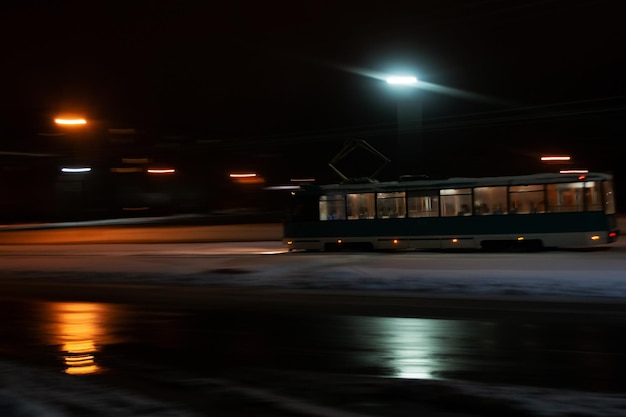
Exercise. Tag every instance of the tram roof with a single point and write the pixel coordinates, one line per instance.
(462, 182)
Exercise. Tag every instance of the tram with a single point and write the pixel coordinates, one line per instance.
(533, 211)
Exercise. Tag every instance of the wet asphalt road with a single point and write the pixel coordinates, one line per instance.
(158, 347)
(345, 351)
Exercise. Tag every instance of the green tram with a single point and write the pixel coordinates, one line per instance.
(533, 211)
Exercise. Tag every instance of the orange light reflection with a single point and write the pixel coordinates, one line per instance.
(78, 327)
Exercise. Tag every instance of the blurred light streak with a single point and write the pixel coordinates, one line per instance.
(409, 80)
(283, 187)
(76, 170)
(252, 180)
(160, 170)
(556, 158)
(424, 85)
(71, 122)
(574, 171)
(243, 175)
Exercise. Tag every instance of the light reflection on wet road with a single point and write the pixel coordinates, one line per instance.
(82, 338)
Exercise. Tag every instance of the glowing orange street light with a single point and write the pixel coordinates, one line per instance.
(70, 121)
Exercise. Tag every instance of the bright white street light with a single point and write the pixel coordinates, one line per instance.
(402, 80)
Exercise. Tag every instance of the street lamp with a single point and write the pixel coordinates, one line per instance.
(71, 125)
(399, 80)
(409, 147)
(70, 121)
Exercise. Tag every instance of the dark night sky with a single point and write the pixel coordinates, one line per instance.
(264, 68)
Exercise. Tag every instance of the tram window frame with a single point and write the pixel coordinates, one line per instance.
(360, 206)
(422, 203)
(332, 207)
(566, 197)
(456, 202)
(527, 199)
(391, 205)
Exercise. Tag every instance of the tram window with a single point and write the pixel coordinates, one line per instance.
(489, 200)
(333, 207)
(423, 203)
(566, 197)
(609, 197)
(456, 202)
(391, 205)
(526, 199)
(593, 196)
(361, 206)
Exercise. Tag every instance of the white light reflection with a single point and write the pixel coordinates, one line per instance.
(412, 348)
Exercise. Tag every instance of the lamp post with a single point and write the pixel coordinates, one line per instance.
(71, 198)
(72, 125)
(409, 146)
